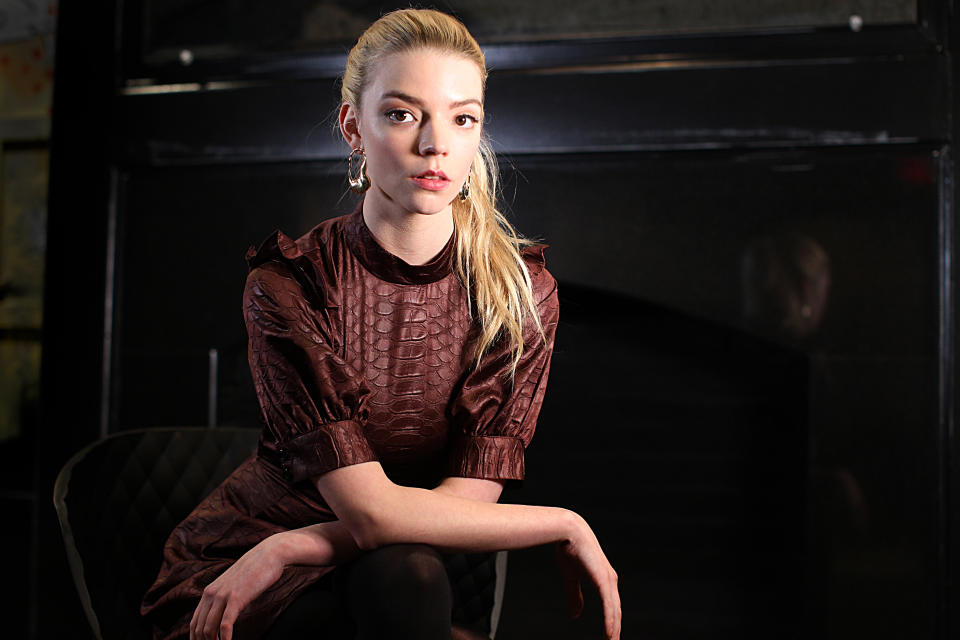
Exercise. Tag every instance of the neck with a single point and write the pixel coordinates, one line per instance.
(413, 237)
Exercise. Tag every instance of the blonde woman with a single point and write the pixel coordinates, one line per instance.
(400, 357)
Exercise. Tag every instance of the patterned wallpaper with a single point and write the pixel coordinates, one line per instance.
(26, 68)
(26, 88)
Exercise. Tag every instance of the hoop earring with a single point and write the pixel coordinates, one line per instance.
(361, 182)
(465, 189)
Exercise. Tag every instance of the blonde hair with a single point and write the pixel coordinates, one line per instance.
(488, 261)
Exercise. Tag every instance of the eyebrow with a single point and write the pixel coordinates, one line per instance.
(416, 101)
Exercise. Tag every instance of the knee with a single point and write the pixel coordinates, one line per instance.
(401, 592)
(405, 569)
(422, 567)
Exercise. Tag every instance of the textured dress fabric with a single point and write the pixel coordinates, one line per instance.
(356, 356)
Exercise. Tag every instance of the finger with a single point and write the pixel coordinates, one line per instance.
(609, 601)
(619, 622)
(226, 631)
(577, 601)
(603, 589)
(614, 616)
(227, 622)
(619, 616)
(199, 616)
(611, 608)
(574, 597)
(211, 625)
(616, 593)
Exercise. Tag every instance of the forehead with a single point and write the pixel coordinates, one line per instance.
(426, 74)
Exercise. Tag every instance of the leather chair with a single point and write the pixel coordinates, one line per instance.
(118, 499)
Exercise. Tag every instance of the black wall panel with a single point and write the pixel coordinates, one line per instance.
(752, 394)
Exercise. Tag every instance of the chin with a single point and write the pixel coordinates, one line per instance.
(417, 201)
(430, 205)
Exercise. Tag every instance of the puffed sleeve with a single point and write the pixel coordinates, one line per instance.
(313, 402)
(494, 415)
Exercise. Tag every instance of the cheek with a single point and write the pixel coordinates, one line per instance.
(382, 157)
(468, 157)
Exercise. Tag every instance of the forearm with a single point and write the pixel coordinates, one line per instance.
(378, 512)
(453, 523)
(321, 544)
(330, 543)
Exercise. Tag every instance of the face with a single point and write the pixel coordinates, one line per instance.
(419, 124)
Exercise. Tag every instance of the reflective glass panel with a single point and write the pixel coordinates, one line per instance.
(228, 28)
(743, 399)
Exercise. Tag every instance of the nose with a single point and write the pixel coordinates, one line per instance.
(433, 139)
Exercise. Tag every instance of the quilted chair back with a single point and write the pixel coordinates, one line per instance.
(478, 581)
(119, 498)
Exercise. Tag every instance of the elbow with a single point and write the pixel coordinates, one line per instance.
(366, 502)
(367, 531)
(366, 538)
(379, 525)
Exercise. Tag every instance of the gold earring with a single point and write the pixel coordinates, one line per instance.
(361, 182)
(465, 189)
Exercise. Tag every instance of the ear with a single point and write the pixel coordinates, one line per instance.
(350, 125)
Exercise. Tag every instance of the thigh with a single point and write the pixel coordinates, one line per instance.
(318, 613)
(393, 569)
(399, 592)
(396, 575)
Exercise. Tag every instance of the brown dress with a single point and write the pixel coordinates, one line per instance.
(356, 356)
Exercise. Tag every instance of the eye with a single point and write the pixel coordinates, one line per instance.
(466, 120)
(399, 115)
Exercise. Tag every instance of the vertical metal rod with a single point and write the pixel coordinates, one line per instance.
(109, 290)
(945, 436)
(213, 364)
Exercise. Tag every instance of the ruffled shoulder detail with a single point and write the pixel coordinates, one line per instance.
(533, 256)
(309, 267)
(544, 284)
(278, 245)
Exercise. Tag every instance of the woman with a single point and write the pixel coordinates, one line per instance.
(404, 346)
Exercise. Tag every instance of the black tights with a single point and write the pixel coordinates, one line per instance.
(400, 592)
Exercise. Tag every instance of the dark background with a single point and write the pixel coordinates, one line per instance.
(745, 479)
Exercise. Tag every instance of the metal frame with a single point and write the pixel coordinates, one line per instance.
(753, 44)
(943, 23)
(143, 95)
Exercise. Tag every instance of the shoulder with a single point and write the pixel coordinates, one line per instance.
(279, 247)
(307, 265)
(544, 284)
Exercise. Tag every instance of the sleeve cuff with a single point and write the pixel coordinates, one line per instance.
(487, 457)
(331, 446)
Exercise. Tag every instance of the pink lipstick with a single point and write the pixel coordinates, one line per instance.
(432, 180)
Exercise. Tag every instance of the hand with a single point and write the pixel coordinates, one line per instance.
(581, 557)
(236, 588)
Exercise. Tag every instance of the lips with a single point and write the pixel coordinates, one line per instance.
(431, 180)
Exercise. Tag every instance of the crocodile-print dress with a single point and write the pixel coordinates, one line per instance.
(356, 356)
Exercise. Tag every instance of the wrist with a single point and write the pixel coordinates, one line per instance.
(281, 548)
(573, 527)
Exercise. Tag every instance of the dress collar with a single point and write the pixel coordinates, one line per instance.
(389, 267)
